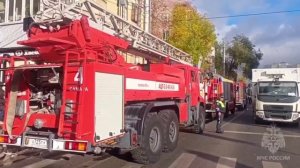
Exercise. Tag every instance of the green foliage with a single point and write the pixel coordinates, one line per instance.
(191, 32)
(240, 51)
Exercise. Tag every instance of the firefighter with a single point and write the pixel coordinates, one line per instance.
(220, 113)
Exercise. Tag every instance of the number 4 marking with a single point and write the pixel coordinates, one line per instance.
(79, 77)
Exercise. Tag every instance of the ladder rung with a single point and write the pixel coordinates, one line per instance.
(68, 112)
(71, 122)
(67, 103)
(67, 132)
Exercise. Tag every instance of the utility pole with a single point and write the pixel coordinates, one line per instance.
(224, 58)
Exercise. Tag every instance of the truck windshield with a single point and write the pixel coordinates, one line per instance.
(278, 89)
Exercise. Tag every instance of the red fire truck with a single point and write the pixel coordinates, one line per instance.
(228, 91)
(212, 93)
(241, 96)
(215, 87)
(81, 96)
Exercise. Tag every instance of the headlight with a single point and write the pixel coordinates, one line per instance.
(260, 114)
(38, 123)
(295, 116)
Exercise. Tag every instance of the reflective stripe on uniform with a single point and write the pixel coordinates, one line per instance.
(221, 103)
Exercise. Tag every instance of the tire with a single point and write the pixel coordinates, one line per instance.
(209, 116)
(240, 108)
(232, 111)
(296, 124)
(170, 129)
(257, 121)
(200, 126)
(150, 151)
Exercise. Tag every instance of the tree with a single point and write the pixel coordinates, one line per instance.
(191, 32)
(241, 51)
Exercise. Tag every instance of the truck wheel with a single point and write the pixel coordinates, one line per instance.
(240, 107)
(170, 129)
(199, 127)
(256, 121)
(232, 111)
(209, 116)
(151, 141)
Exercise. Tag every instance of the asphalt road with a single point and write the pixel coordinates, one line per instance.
(239, 146)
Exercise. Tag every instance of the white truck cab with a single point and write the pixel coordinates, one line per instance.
(275, 94)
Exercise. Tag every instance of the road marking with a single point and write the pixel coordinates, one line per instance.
(183, 161)
(226, 162)
(42, 163)
(258, 133)
(203, 162)
(234, 118)
(271, 164)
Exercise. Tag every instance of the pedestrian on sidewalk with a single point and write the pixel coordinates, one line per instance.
(220, 113)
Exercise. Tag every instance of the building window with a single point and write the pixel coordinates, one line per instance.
(16, 10)
(135, 13)
(36, 6)
(11, 11)
(2, 11)
(27, 8)
(123, 8)
(166, 34)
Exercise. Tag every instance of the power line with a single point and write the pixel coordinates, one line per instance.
(239, 15)
(253, 14)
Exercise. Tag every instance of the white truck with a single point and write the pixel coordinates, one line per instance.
(275, 95)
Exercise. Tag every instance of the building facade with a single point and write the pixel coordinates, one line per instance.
(161, 16)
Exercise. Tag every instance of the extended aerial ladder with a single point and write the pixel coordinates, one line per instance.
(101, 19)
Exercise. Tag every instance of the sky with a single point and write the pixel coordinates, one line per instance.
(276, 35)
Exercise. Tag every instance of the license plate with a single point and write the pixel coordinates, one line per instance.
(36, 142)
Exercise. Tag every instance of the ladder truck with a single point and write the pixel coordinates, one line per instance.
(80, 95)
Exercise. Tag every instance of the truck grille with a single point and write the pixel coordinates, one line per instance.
(278, 111)
(278, 108)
